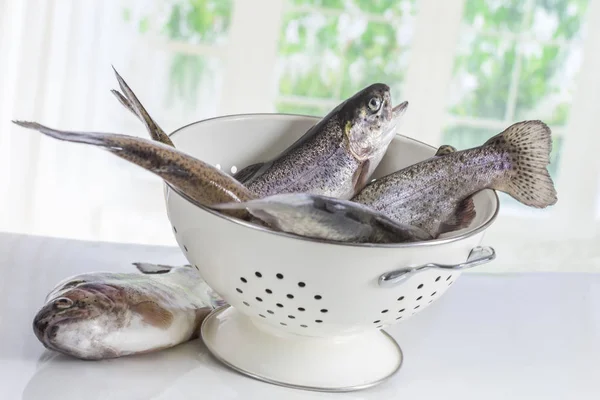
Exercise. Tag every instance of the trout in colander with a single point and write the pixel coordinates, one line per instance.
(328, 218)
(337, 155)
(436, 194)
(194, 178)
(106, 315)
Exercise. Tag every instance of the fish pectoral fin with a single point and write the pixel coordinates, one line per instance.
(462, 217)
(149, 268)
(153, 314)
(361, 176)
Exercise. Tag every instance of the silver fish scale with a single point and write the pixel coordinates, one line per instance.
(297, 170)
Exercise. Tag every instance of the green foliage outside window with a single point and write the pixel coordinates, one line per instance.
(542, 37)
(203, 22)
(326, 54)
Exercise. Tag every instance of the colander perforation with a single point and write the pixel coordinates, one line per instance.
(414, 305)
(301, 319)
(266, 311)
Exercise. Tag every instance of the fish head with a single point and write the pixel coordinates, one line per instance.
(369, 121)
(72, 306)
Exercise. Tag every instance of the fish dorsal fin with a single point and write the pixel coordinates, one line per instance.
(248, 172)
(463, 215)
(149, 268)
(445, 149)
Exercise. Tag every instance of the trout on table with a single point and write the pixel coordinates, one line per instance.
(436, 194)
(103, 315)
(327, 218)
(196, 179)
(337, 155)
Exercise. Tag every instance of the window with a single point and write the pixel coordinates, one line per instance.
(193, 35)
(329, 50)
(469, 69)
(516, 60)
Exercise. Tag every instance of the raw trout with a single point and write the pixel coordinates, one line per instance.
(436, 194)
(196, 179)
(327, 218)
(103, 315)
(337, 155)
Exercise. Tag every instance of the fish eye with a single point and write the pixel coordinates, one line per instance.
(374, 103)
(63, 302)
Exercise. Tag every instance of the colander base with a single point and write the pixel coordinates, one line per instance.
(329, 364)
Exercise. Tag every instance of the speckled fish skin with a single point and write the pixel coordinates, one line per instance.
(435, 194)
(337, 155)
(104, 315)
(327, 218)
(196, 179)
(130, 101)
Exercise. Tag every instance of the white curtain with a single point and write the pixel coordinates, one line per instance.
(55, 68)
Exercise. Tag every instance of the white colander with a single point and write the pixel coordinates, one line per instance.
(304, 313)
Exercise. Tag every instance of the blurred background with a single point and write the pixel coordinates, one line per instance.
(469, 68)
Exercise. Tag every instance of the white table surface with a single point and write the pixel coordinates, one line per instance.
(517, 336)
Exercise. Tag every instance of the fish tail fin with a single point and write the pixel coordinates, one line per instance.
(529, 144)
(130, 101)
(123, 100)
(69, 136)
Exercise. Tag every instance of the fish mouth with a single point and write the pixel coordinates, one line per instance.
(49, 319)
(388, 134)
(46, 330)
(399, 110)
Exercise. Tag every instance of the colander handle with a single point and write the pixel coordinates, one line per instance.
(477, 256)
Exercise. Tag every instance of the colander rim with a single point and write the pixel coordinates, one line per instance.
(423, 243)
